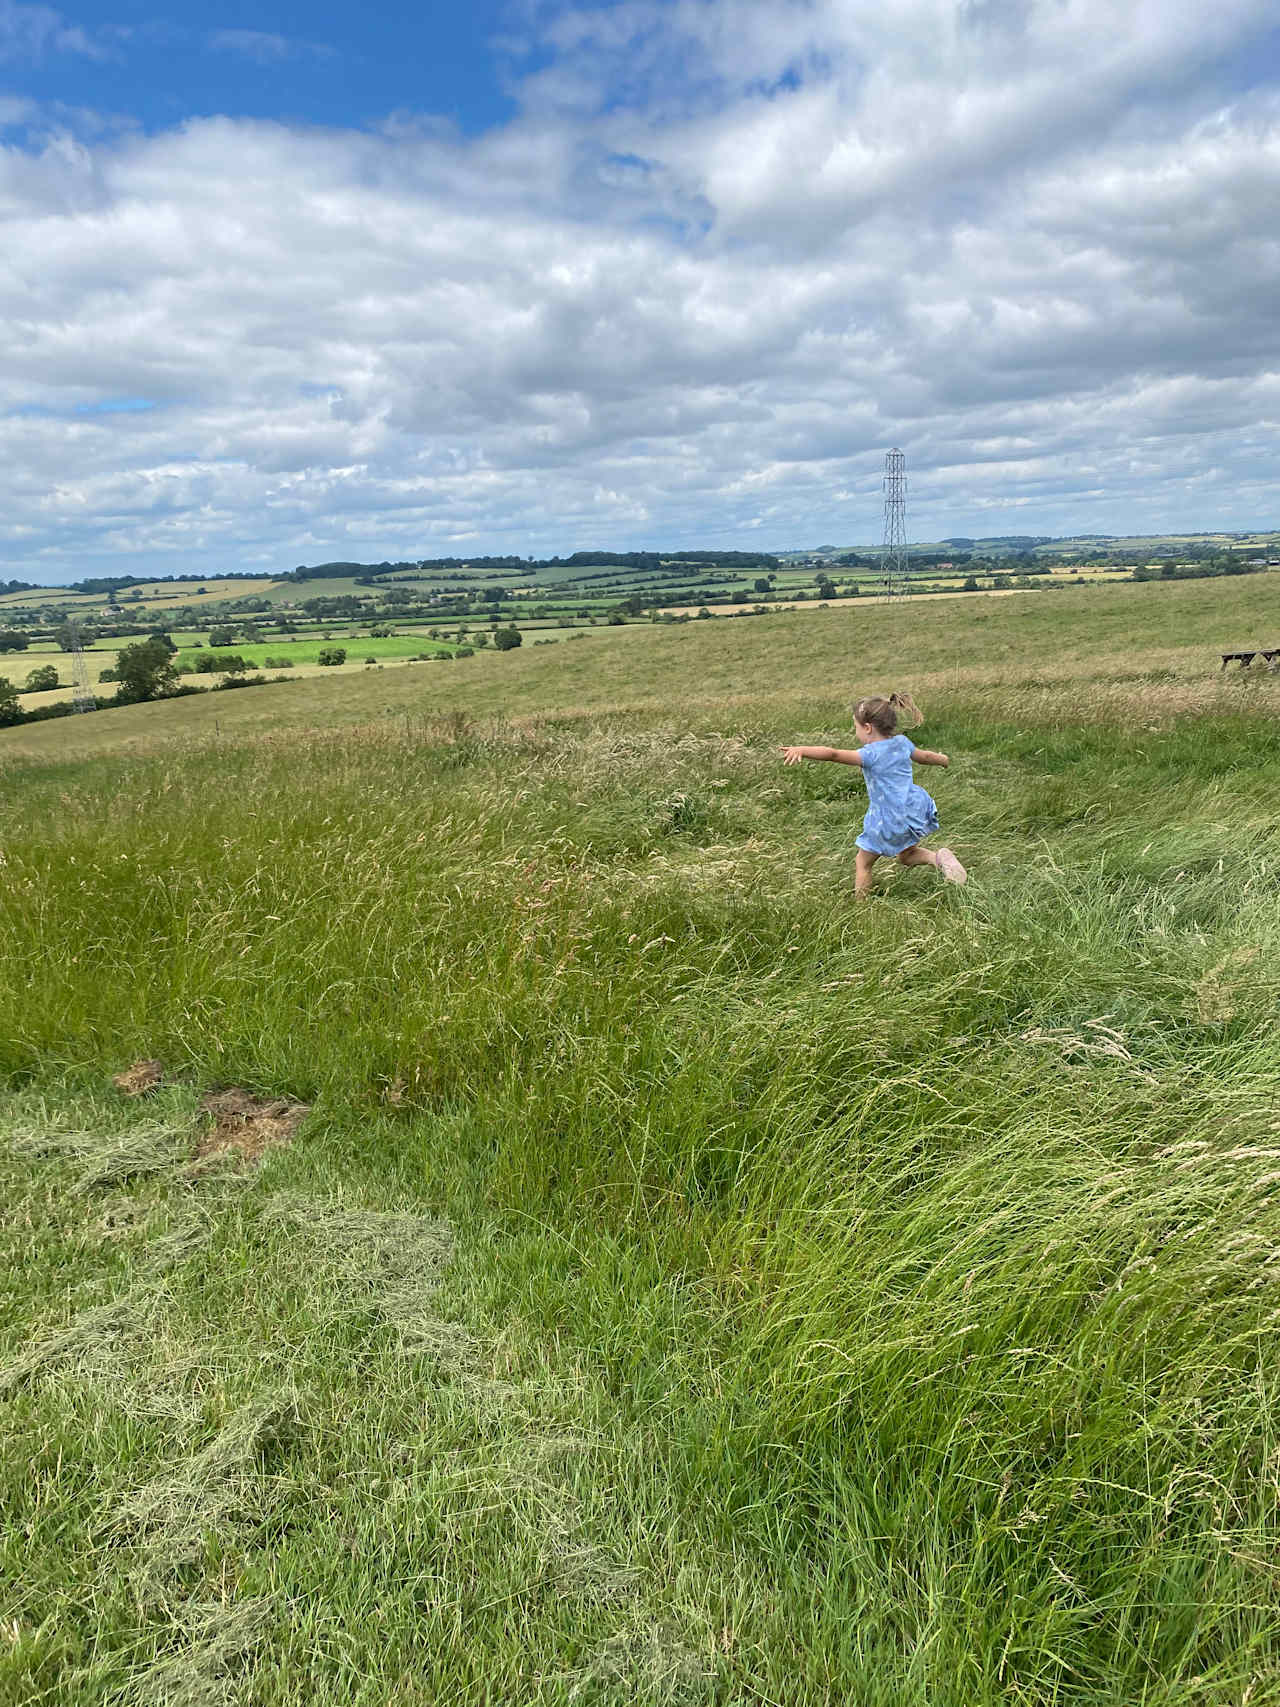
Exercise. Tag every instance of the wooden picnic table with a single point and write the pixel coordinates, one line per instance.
(1270, 656)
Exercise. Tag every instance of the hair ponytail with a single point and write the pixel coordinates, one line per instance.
(904, 703)
(882, 714)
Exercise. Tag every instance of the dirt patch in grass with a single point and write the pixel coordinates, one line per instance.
(248, 1125)
(135, 1081)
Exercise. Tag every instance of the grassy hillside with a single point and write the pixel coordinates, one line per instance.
(1025, 650)
(686, 1287)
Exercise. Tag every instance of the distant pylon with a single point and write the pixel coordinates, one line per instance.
(82, 694)
(893, 556)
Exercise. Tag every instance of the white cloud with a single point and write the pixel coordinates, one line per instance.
(264, 47)
(32, 32)
(728, 252)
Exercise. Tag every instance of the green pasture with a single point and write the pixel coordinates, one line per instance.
(297, 592)
(358, 648)
(687, 1287)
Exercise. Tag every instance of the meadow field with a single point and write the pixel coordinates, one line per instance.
(292, 653)
(679, 1285)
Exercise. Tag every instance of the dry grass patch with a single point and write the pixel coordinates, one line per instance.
(109, 1157)
(652, 1665)
(248, 1126)
(141, 1077)
(222, 1487)
(395, 1260)
(96, 1344)
(217, 1637)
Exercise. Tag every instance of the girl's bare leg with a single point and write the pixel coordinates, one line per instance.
(862, 873)
(944, 860)
(917, 856)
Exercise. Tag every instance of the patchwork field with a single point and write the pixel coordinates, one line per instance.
(653, 1279)
(153, 597)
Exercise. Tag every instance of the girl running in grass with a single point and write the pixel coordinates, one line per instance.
(900, 814)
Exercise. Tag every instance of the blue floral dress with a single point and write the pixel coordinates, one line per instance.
(900, 812)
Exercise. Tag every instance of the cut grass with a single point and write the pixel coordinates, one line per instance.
(214, 1638)
(109, 1158)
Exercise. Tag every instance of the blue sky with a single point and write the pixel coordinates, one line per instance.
(286, 284)
(319, 64)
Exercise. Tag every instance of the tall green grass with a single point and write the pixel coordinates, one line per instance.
(896, 1285)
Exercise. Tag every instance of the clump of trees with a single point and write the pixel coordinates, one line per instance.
(42, 679)
(96, 584)
(332, 655)
(11, 640)
(144, 671)
(218, 664)
(506, 639)
(367, 574)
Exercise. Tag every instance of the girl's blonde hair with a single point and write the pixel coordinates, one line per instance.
(882, 714)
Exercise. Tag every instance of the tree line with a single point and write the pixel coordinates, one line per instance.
(641, 560)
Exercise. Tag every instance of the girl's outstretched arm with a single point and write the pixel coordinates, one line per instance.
(924, 756)
(793, 755)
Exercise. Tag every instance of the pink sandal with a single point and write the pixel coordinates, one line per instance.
(950, 866)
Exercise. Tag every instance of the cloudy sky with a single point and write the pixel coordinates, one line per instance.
(287, 283)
